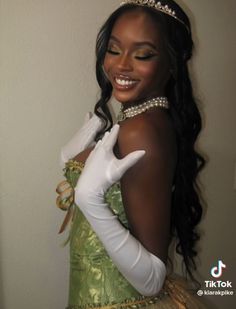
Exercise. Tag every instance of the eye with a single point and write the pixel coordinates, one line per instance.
(144, 54)
(113, 52)
(113, 49)
(145, 57)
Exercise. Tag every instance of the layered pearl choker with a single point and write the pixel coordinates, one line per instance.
(141, 108)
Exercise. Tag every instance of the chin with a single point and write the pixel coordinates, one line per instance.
(125, 98)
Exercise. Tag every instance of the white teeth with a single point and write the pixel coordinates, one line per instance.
(123, 82)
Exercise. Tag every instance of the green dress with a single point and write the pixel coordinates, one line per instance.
(94, 279)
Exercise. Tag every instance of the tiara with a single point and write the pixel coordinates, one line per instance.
(157, 6)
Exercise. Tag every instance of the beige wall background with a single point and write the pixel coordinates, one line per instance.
(47, 84)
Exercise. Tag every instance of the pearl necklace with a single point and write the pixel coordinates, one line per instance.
(141, 108)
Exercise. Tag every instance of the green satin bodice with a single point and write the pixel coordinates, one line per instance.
(94, 279)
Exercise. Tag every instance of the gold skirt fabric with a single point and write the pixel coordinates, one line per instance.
(178, 295)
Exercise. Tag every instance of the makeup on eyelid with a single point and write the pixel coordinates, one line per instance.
(139, 54)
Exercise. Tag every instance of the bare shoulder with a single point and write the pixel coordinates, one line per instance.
(152, 132)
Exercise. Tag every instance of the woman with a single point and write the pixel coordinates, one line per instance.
(136, 190)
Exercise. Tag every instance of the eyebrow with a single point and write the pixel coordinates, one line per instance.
(150, 44)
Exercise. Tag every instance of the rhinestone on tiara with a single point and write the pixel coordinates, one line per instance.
(157, 6)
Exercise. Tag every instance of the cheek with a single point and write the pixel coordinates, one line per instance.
(149, 71)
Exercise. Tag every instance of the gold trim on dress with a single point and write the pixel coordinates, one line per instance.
(65, 200)
(74, 165)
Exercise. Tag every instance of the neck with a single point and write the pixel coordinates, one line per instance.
(126, 105)
(143, 107)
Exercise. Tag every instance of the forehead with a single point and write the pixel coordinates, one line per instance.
(137, 25)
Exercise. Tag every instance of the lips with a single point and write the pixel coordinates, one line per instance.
(124, 82)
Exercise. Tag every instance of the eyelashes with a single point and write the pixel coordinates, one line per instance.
(145, 57)
(112, 52)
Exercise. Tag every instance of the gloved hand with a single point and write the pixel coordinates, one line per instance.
(83, 139)
(145, 271)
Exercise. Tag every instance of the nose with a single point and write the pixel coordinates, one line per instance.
(124, 63)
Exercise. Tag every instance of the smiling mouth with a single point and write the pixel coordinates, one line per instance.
(125, 82)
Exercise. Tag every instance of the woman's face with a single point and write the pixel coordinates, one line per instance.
(136, 62)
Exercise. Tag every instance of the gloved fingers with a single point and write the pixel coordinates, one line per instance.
(105, 137)
(90, 130)
(128, 161)
(101, 141)
(111, 138)
(97, 145)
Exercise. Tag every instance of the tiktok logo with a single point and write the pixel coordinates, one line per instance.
(212, 285)
(216, 271)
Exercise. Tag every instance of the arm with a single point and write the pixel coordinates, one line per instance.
(145, 271)
(147, 186)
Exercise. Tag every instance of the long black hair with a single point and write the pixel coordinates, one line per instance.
(186, 209)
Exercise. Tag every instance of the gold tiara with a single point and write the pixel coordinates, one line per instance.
(157, 6)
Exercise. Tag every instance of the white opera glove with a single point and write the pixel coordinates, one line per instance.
(145, 271)
(83, 138)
